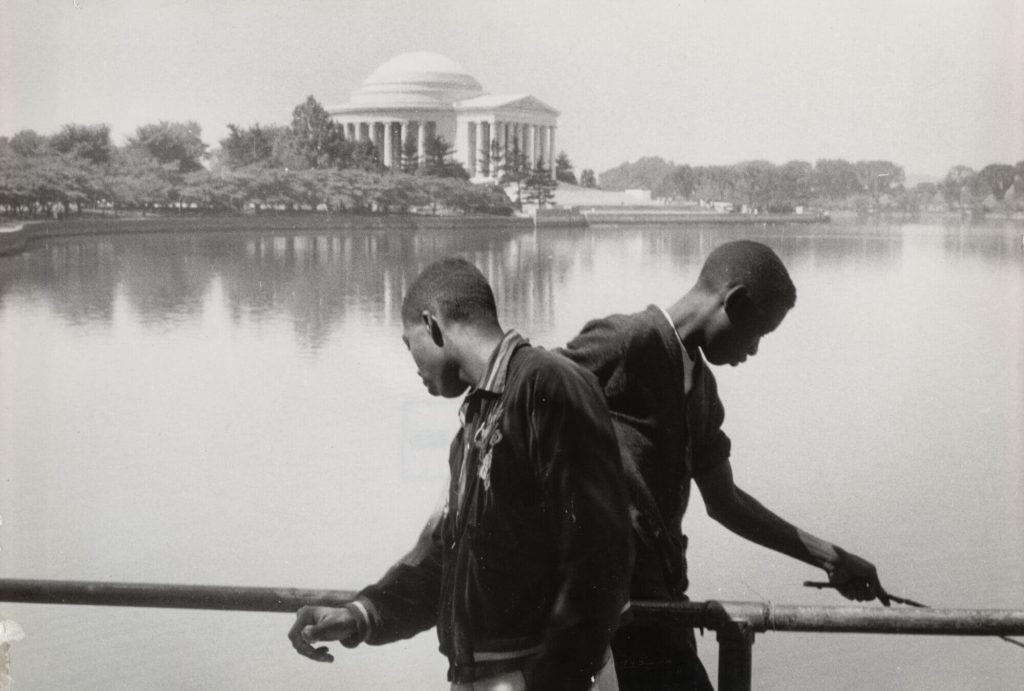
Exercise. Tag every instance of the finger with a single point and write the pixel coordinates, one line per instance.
(321, 654)
(856, 590)
(296, 634)
(311, 633)
(880, 593)
(303, 648)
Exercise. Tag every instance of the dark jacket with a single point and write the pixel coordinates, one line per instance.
(528, 566)
(666, 435)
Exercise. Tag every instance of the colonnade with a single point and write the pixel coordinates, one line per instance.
(535, 142)
(475, 140)
(390, 136)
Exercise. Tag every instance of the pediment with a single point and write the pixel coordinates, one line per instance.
(506, 103)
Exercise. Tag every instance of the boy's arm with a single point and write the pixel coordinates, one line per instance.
(854, 577)
(399, 605)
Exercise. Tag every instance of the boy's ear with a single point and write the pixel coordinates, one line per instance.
(740, 306)
(430, 322)
(736, 297)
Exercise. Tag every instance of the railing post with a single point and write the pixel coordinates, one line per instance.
(735, 641)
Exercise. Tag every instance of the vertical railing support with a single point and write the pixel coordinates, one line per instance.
(735, 641)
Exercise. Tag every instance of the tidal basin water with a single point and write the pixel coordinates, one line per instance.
(238, 408)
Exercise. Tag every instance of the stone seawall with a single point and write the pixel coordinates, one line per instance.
(612, 217)
(16, 240)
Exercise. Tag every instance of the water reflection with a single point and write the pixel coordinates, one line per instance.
(316, 279)
(162, 418)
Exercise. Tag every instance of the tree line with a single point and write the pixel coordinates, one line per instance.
(828, 183)
(305, 165)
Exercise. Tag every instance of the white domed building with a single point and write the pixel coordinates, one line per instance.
(418, 95)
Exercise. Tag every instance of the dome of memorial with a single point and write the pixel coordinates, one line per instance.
(416, 80)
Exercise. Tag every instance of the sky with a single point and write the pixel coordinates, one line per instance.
(927, 84)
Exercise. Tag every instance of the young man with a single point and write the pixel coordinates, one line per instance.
(526, 572)
(668, 419)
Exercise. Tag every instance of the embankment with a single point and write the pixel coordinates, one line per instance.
(16, 240)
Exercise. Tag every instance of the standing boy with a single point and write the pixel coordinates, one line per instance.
(527, 570)
(668, 419)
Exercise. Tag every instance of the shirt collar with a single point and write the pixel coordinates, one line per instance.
(672, 325)
(496, 374)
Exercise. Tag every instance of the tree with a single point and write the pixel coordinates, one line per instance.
(754, 183)
(410, 155)
(495, 159)
(29, 143)
(172, 142)
(587, 178)
(714, 183)
(836, 179)
(515, 171)
(999, 178)
(954, 185)
(794, 185)
(366, 157)
(540, 187)
(318, 139)
(244, 147)
(438, 160)
(644, 174)
(563, 169)
(680, 182)
(137, 179)
(90, 142)
(879, 177)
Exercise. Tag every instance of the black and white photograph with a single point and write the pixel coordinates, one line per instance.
(534, 346)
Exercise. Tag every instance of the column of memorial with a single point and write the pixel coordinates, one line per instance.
(484, 144)
(389, 152)
(551, 148)
(471, 130)
(404, 135)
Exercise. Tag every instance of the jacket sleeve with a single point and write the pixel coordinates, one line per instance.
(404, 602)
(576, 459)
(710, 444)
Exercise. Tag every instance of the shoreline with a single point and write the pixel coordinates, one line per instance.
(17, 238)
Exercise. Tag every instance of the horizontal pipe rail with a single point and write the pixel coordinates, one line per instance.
(761, 617)
(248, 599)
(713, 615)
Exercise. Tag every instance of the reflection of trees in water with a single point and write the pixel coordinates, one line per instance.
(77, 278)
(990, 243)
(313, 279)
(318, 279)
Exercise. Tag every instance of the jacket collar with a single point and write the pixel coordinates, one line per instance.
(496, 375)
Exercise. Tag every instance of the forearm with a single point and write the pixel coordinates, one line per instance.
(404, 601)
(751, 520)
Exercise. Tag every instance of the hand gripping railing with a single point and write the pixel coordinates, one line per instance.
(736, 623)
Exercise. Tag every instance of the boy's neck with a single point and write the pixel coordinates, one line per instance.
(473, 347)
(689, 315)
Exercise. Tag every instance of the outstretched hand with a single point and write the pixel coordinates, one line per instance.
(313, 624)
(856, 578)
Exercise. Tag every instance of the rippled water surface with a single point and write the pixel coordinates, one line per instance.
(238, 408)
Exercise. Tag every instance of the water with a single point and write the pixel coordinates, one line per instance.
(238, 409)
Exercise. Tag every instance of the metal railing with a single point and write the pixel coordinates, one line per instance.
(736, 623)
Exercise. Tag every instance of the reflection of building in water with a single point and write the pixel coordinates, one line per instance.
(418, 95)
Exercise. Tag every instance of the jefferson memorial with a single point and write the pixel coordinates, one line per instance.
(418, 95)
